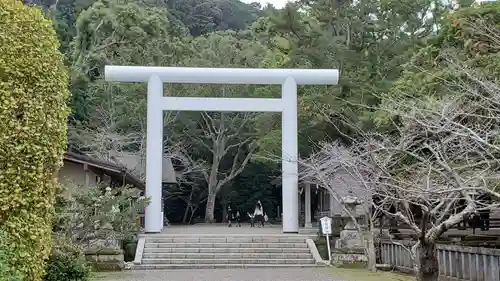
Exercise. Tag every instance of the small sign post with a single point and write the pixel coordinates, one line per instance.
(326, 229)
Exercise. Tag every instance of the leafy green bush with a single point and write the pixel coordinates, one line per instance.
(97, 218)
(67, 262)
(33, 132)
(7, 271)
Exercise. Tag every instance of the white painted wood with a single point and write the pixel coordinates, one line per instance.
(308, 219)
(222, 104)
(157, 103)
(154, 156)
(200, 75)
(290, 169)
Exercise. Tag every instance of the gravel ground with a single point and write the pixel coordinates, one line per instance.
(258, 274)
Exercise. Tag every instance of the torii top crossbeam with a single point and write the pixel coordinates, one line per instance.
(200, 75)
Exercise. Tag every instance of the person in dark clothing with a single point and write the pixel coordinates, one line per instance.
(259, 214)
(484, 200)
(229, 216)
(252, 219)
(238, 219)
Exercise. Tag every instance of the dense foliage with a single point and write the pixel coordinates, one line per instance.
(93, 220)
(202, 17)
(463, 42)
(8, 272)
(96, 218)
(389, 52)
(109, 119)
(372, 42)
(33, 132)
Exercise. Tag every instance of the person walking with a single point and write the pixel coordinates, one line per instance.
(238, 219)
(229, 216)
(259, 214)
(252, 219)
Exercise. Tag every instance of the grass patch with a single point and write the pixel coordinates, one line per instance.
(357, 274)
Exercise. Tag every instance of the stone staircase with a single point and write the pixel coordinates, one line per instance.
(163, 251)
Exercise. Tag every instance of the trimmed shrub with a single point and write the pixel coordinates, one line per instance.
(33, 129)
(67, 262)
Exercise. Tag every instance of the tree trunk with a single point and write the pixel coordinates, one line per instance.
(186, 212)
(378, 245)
(224, 211)
(193, 211)
(428, 269)
(370, 250)
(188, 206)
(209, 211)
(212, 190)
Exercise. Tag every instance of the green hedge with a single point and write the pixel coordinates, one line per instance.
(33, 129)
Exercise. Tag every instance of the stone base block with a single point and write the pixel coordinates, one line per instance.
(348, 259)
(106, 259)
(349, 239)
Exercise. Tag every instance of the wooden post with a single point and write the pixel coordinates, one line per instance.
(87, 176)
(307, 212)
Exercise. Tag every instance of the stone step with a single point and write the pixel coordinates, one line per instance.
(228, 261)
(218, 266)
(162, 239)
(241, 255)
(225, 245)
(226, 250)
(309, 231)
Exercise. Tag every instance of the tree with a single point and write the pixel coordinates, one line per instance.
(443, 118)
(205, 16)
(334, 168)
(228, 140)
(221, 144)
(440, 167)
(190, 174)
(444, 157)
(122, 33)
(225, 140)
(64, 16)
(465, 36)
(115, 32)
(369, 41)
(33, 115)
(109, 142)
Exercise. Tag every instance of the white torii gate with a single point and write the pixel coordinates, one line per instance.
(157, 103)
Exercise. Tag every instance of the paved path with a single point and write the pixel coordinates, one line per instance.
(250, 274)
(221, 229)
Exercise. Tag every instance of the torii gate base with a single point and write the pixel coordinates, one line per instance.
(157, 103)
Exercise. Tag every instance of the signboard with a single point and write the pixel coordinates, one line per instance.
(326, 229)
(326, 225)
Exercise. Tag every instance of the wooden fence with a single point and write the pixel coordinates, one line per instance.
(455, 262)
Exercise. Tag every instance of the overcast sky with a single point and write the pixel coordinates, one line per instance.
(281, 3)
(276, 3)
